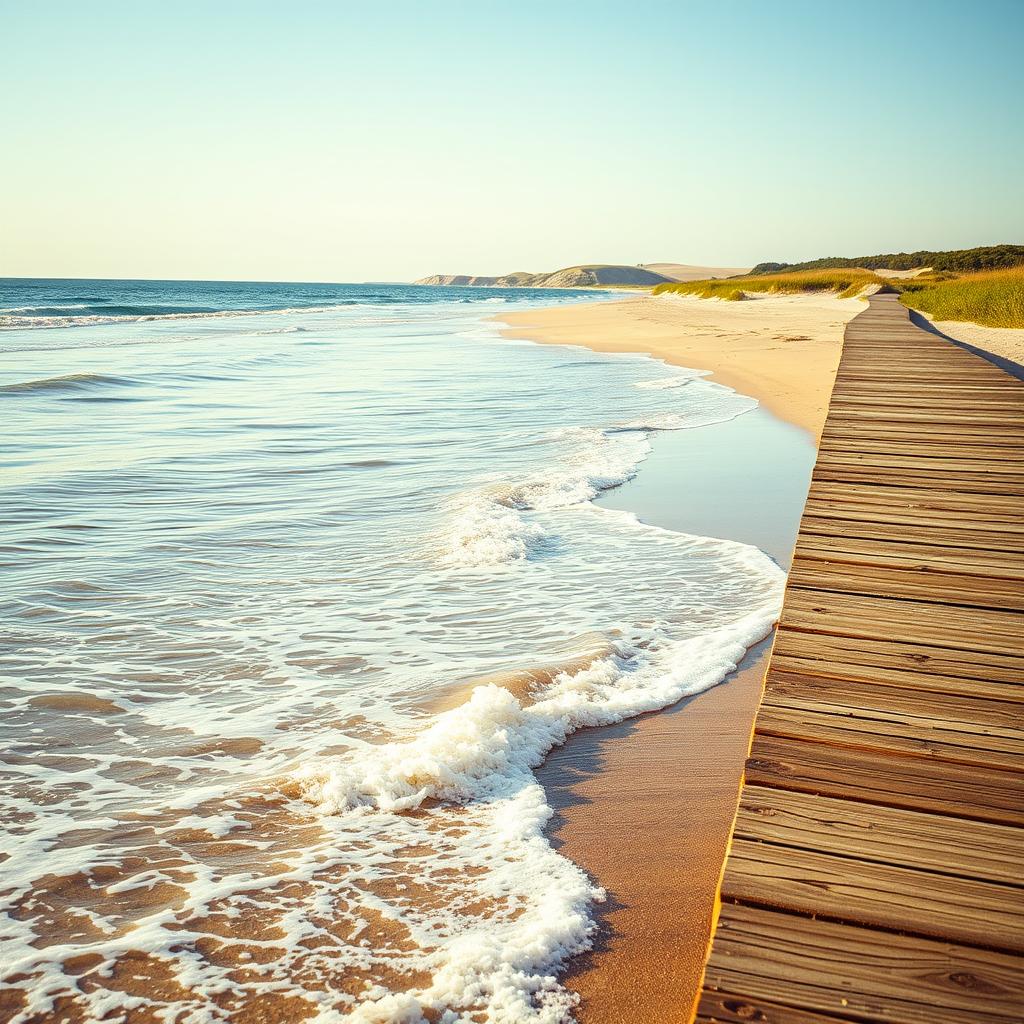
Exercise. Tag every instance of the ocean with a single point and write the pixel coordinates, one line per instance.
(302, 581)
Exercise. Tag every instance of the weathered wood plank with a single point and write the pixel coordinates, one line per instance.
(904, 507)
(909, 656)
(891, 733)
(817, 522)
(726, 1008)
(852, 426)
(841, 670)
(928, 842)
(1006, 565)
(968, 714)
(976, 629)
(890, 779)
(893, 582)
(859, 973)
(907, 900)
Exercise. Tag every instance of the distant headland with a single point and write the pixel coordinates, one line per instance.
(590, 275)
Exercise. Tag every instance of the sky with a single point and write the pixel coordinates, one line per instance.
(356, 141)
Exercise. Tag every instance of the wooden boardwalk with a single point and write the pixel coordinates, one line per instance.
(877, 862)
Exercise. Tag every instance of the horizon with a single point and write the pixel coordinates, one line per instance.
(331, 144)
(264, 280)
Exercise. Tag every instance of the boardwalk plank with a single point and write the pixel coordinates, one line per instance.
(970, 714)
(975, 629)
(893, 780)
(911, 555)
(908, 656)
(924, 903)
(840, 669)
(725, 1008)
(928, 842)
(859, 973)
(942, 587)
(949, 535)
(892, 733)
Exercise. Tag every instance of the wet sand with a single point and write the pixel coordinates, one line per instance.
(647, 806)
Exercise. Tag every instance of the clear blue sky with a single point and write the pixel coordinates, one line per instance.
(347, 141)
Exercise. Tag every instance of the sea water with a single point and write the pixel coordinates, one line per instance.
(301, 582)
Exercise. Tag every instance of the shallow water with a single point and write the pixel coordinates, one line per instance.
(248, 558)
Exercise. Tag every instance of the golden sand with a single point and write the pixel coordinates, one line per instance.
(781, 350)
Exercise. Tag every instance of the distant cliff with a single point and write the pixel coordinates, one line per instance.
(570, 277)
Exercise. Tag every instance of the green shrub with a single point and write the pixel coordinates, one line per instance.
(985, 257)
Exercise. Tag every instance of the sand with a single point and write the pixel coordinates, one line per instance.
(781, 350)
(647, 806)
(902, 274)
(688, 272)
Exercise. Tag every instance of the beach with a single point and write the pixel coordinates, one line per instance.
(782, 350)
(533, 583)
(647, 806)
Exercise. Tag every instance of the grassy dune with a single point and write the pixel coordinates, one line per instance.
(847, 282)
(993, 298)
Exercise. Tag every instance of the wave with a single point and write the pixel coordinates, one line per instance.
(407, 880)
(679, 380)
(488, 526)
(48, 316)
(66, 382)
(479, 758)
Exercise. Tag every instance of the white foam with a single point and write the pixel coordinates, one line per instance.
(480, 756)
(491, 524)
(678, 380)
(9, 323)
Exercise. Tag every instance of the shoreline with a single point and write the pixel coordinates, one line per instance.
(647, 807)
(782, 350)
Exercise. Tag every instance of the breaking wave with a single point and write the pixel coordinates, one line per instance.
(36, 317)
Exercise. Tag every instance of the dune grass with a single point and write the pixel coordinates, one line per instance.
(847, 282)
(993, 298)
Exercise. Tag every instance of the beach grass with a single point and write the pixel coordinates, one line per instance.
(993, 298)
(847, 282)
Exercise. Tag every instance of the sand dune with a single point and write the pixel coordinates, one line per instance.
(687, 272)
